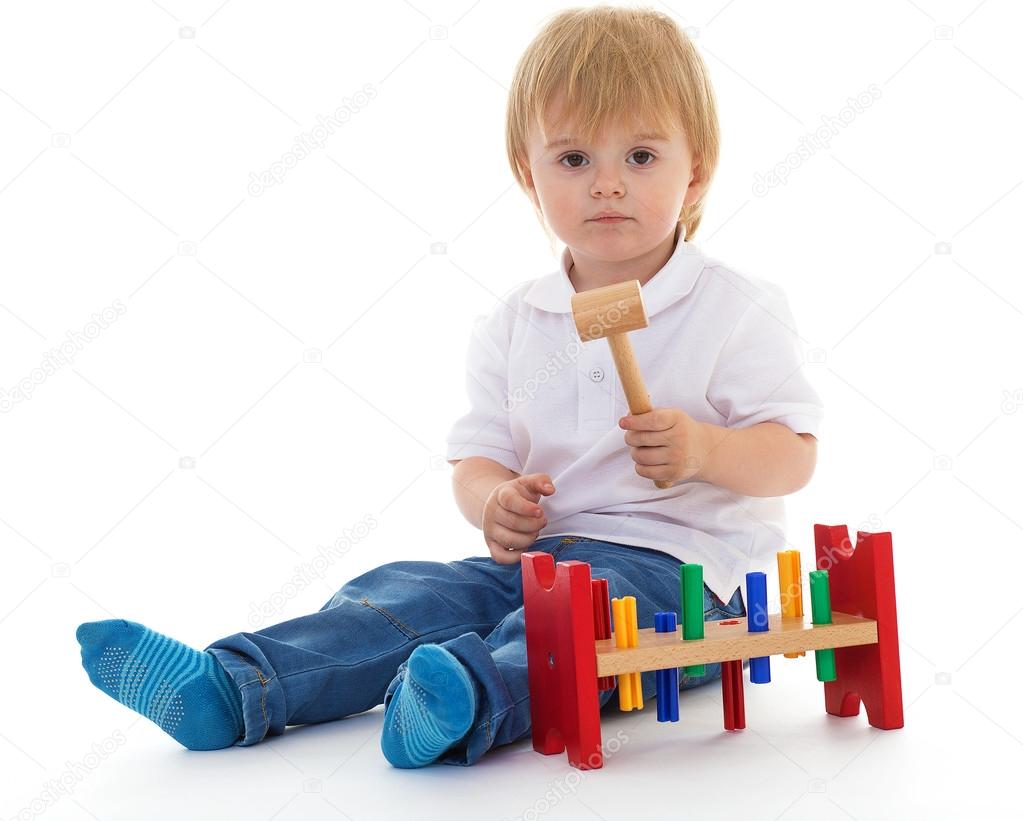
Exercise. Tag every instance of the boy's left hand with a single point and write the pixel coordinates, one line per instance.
(666, 443)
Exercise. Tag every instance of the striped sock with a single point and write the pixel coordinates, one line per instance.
(185, 692)
(430, 711)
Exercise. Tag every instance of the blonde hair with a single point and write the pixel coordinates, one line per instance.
(615, 65)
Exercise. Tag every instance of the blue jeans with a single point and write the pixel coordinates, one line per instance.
(351, 655)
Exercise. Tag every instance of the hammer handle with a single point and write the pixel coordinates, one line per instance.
(632, 381)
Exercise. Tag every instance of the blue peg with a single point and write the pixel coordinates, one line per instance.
(667, 680)
(757, 622)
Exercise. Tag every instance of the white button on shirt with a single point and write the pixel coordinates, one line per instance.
(720, 345)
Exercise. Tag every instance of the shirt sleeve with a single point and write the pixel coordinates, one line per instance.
(485, 430)
(759, 375)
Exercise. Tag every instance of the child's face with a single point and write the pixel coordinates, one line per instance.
(646, 179)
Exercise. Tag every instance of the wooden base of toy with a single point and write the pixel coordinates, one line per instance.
(568, 664)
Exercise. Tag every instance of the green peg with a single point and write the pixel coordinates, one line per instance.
(690, 584)
(820, 603)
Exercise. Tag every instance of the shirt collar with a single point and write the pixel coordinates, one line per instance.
(673, 281)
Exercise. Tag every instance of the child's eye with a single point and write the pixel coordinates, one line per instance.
(634, 153)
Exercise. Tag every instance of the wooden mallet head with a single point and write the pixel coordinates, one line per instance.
(611, 312)
(613, 309)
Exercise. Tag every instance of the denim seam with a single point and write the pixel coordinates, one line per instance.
(507, 709)
(485, 724)
(262, 700)
(398, 623)
(469, 629)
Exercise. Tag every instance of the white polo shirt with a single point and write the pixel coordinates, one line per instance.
(720, 345)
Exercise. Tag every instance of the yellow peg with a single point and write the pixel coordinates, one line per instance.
(790, 584)
(630, 690)
(633, 623)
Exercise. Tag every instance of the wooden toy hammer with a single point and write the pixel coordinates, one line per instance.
(611, 312)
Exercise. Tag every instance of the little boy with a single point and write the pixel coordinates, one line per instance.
(612, 133)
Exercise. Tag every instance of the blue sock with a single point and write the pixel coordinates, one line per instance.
(185, 692)
(430, 711)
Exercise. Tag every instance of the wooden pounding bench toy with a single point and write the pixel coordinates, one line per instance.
(573, 654)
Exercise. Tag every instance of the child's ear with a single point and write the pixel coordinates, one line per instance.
(697, 186)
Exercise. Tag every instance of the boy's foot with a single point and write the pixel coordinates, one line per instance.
(186, 692)
(430, 711)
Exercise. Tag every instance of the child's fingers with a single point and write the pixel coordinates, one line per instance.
(503, 555)
(519, 523)
(512, 499)
(538, 483)
(644, 438)
(651, 456)
(510, 540)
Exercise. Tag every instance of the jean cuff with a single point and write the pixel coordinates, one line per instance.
(263, 707)
(493, 700)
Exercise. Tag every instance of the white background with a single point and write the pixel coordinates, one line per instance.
(190, 458)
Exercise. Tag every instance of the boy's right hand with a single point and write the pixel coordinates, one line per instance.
(512, 517)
